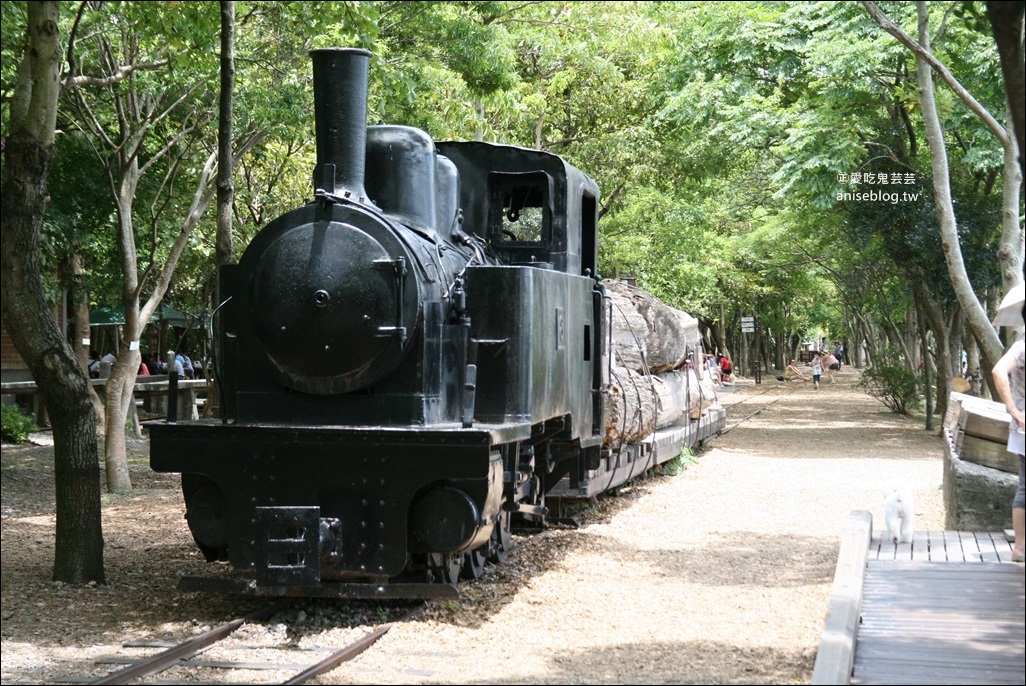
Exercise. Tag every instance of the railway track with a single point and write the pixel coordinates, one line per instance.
(754, 409)
(303, 663)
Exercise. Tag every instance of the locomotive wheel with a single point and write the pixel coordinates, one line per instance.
(501, 540)
(474, 563)
(206, 513)
(444, 568)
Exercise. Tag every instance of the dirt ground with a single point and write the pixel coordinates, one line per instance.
(718, 575)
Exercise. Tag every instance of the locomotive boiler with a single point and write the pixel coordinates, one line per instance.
(410, 361)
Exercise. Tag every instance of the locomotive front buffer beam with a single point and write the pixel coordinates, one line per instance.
(293, 543)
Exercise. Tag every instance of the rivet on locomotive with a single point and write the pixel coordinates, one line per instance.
(409, 362)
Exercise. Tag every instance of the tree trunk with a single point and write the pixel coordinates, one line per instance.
(858, 335)
(1013, 240)
(225, 186)
(927, 385)
(720, 331)
(29, 318)
(897, 341)
(1006, 22)
(981, 327)
(79, 308)
(120, 387)
(935, 320)
(648, 335)
(632, 406)
(972, 361)
(955, 324)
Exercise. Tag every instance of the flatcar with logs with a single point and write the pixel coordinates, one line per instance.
(413, 361)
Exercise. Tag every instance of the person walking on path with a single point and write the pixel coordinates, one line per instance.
(817, 369)
(1010, 383)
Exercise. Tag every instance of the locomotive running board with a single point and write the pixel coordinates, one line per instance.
(324, 590)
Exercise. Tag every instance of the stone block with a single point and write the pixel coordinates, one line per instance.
(976, 497)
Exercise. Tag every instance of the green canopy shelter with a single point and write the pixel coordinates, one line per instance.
(108, 316)
(165, 316)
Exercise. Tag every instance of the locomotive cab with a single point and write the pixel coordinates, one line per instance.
(532, 207)
(538, 317)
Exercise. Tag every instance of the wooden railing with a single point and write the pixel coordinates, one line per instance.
(151, 390)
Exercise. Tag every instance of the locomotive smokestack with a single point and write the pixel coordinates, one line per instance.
(340, 113)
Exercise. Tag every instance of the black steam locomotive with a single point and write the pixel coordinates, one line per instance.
(410, 361)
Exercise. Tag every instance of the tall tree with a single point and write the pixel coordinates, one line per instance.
(147, 112)
(28, 153)
(926, 64)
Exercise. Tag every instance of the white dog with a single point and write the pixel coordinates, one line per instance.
(900, 515)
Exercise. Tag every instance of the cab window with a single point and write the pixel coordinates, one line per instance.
(519, 208)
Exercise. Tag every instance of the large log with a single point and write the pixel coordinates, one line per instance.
(673, 394)
(632, 407)
(649, 336)
(638, 404)
(701, 395)
(648, 388)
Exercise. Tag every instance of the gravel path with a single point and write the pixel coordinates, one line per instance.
(718, 575)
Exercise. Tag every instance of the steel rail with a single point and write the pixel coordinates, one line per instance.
(338, 657)
(165, 659)
(350, 651)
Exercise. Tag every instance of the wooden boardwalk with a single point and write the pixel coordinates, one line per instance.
(947, 608)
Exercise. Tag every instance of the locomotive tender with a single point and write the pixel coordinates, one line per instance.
(409, 361)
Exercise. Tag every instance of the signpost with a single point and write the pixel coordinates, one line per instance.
(750, 325)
